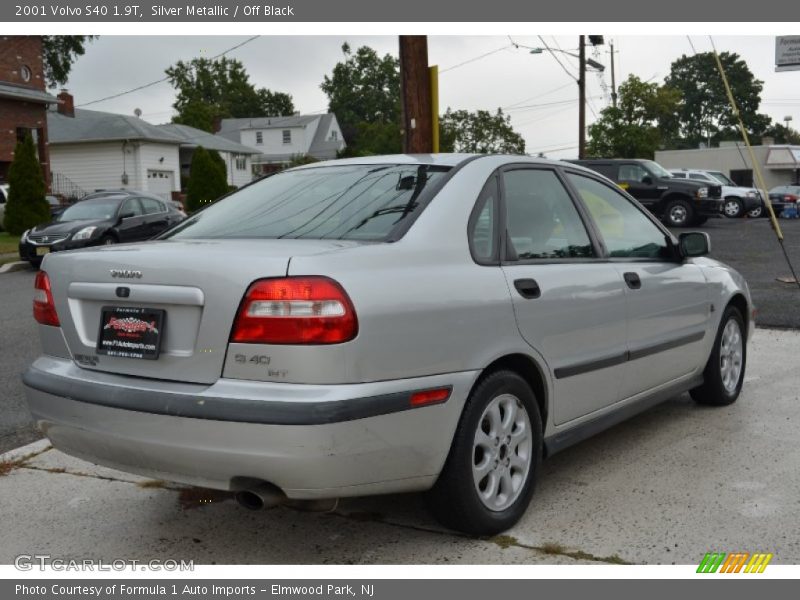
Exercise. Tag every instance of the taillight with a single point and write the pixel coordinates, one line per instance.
(44, 309)
(295, 310)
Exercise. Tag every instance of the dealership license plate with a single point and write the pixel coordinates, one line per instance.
(130, 332)
(42, 250)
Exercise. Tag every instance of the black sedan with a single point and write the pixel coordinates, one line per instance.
(109, 219)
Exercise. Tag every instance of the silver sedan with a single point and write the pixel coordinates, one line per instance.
(380, 325)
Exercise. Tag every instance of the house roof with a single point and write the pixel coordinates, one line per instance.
(19, 92)
(235, 125)
(97, 126)
(193, 137)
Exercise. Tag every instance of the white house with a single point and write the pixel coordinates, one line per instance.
(278, 140)
(237, 157)
(93, 150)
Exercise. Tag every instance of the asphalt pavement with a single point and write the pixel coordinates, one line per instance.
(665, 487)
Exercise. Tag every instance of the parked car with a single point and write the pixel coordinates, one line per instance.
(782, 196)
(56, 205)
(102, 220)
(680, 203)
(738, 201)
(384, 324)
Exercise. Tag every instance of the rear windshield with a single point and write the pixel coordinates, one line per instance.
(347, 202)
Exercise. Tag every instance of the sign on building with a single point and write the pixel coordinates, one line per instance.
(787, 53)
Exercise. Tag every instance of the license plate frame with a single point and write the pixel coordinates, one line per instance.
(131, 332)
(42, 250)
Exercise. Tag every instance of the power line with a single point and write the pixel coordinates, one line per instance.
(473, 59)
(163, 79)
(553, 54)
(542, 95)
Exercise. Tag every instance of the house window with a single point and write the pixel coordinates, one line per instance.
(259, 137)
(287, 136)
(25, 73)
(241, 162)
(334, 135)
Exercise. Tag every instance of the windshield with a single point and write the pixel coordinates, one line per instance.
(656, 169)
(90, 209)
(722, 178)
(352, 202)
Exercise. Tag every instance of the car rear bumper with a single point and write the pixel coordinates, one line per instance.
(311, 441)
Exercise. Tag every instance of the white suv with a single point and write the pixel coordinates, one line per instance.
(738, 200)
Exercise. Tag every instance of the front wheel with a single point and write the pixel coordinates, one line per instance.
(678, 213)
(756, 213)
(733, 208)
(490, 473)
(724, 373)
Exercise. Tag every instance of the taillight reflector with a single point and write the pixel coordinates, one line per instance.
(424, 397)
(295, 310)
(44, 309)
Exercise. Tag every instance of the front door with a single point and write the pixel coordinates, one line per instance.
(667, 299)
(569, 304)
(639, 183)
(132, 227)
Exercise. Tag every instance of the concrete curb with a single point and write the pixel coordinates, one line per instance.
(13, 266)
(25, 451)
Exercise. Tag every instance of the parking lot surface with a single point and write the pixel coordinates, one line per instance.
(663, 488)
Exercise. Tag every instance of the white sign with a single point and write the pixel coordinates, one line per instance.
(787, 53)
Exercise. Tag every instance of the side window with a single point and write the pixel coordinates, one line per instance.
(541, 220)
(151, 205)
(482, 238)
(132, 207)
(632, 172)
(626, 231)
(679, 175)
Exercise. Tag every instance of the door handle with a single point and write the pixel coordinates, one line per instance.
(632, 280)
(527, 288)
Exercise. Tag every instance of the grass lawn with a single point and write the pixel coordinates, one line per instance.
(8, 243)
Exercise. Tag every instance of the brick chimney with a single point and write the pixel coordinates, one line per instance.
(216, 124)
(66, 105)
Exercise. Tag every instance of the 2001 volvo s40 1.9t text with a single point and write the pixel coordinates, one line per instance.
(384, 324)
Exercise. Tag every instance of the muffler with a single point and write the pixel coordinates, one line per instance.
(259, 497)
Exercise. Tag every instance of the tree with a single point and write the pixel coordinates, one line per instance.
(782, 134)
(364, 88)
(481, 132)
(644, 121)
(208, 179)
(705, 114)
(26, 206)
(59, 53)
(209, 89)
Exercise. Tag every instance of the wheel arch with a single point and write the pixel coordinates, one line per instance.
(740, 303)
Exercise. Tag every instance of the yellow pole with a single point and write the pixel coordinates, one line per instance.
(434, 73)
(756, 168)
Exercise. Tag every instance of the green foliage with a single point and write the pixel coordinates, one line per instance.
(26, 206)
(644, 121)
(704, 112)
(364, 88)
(479, 132)
(782, 134)
(207, 179)
(373, 139)
(298, 160)
(209, 89)
(59, 53)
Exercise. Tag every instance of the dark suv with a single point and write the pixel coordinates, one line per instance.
(678, 202)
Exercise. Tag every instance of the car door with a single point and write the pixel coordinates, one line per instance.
(132, 226)
(639, 183)
(667, 298)
(156, 216)
(569, 305)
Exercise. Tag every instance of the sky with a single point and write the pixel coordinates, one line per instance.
(483, 72)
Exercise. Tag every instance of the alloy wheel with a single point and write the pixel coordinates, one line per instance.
(730, 356)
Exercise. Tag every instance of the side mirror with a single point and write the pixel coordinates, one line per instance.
(694, 243)
(647, 180)
(126, 215)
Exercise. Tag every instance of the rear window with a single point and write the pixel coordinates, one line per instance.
(347, 202)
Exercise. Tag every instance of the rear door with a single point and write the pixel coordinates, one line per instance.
(667, 299)
(132, 226)
(569, 305)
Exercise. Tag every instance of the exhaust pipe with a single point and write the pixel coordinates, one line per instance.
(262, 496)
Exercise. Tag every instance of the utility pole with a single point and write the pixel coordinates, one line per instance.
(415, 90)
(613, 79)
(581, 97)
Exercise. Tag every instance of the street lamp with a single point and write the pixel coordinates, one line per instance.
(589, 61)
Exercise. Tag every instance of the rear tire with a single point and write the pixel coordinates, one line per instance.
(756, 213)
(733, 208)
(678, 213)
(489, 476)
(724, 372)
